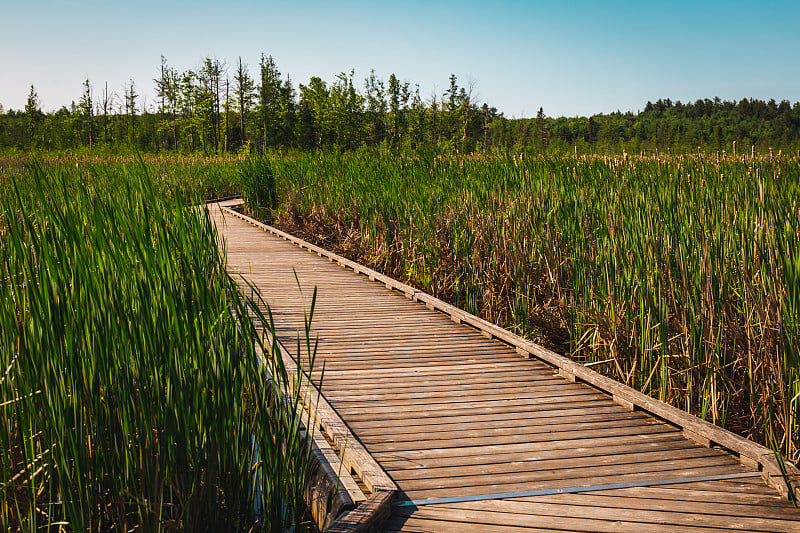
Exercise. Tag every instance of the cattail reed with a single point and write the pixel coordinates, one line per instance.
(684, 283)
(131, 397)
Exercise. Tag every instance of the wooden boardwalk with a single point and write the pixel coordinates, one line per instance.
(448, 412)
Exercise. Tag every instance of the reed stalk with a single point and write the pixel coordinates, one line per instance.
(131, 394)
(678, 273)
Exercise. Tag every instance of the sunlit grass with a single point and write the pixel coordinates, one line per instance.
(130, 391)
(677, 276)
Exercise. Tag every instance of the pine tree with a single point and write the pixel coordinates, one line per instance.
(86, 108)
(268, 100)
(542, 128)
(33, 116)
(130, 111)
(227, 113)
(243, 92)
(346, 109)
(399, 95)
(209, 78)
(375, 109)
(288, 114)
(306, 128)
(317, 102)
(106, 103)
(163, 90)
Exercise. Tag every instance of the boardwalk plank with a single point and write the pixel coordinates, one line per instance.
(492, 424)
(476, 486)
(531, 465)
(519, 433)
(594, 499)
(399, 463)
(502, 512)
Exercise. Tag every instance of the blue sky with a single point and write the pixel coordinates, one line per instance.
(571, 58)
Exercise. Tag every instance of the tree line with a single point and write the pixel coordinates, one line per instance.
(219, 108)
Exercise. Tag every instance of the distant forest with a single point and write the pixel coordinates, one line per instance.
(220, 108)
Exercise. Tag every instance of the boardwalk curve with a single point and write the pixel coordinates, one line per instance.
(480, 430)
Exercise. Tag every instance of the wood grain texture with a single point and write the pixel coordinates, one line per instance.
(369, 517)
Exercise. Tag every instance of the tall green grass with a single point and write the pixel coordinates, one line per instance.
(258, 187)
(191, 177)
(131, 396)
(676, 276)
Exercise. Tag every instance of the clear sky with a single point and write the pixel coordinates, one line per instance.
(571, 58)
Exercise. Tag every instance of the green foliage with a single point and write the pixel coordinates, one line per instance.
(131, 392)
(678, 277)
(258, 187)
(201, 111)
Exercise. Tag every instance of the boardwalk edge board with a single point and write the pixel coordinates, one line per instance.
(750, 454)
(336, 502)
(331, 491)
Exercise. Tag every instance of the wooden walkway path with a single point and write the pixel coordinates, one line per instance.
(449, 412)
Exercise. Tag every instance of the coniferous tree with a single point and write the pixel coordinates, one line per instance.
(187, 115)
(288, 114)
(174, 104)
(162, 87)
(346, 110)
(317, 103)
(86, 109)
(188, 105)
(434, 110)
(243, 92)
(217, 71)
(466, 106)
(417, 122)
(168, 93)
(106, 104)
(307, 135)
(541, 126)
(485, 129)
(375, 109)
(130, 111)
(34, 117)
(591, 130)
(209, 95)
(268, 100)
(398, 95)
(450, 112)
(227, 113)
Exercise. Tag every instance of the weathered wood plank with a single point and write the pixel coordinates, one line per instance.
(489, 423)
(447, 520)
(509, 406)
(538, 438)
(594, 499)
(423, 401)
(368, 517)
(396, 463)
(629, 460)
(480, 487)
(518, 433)
(503, 512)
